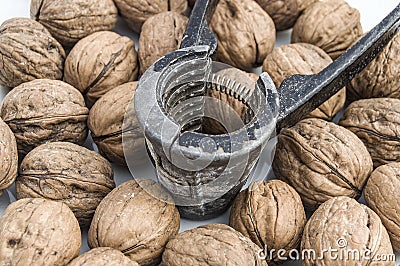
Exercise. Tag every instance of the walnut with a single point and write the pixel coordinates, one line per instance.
(100, 62)
(332, 25)
(307, 59)
(136, 13)
(69, 21)
(38, 232)
(212, 244)
(45, 110)
(345, 225)
(8, 157)
(382, 196)
(375, 122)
(245, 32)
(102, 257)
(67, 173)
(133, 221)
(28, 52)
(161, 34)
(321, 160)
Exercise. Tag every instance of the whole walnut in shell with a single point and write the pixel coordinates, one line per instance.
(307, 59)
(212, 244)
(376, 122)
(160, 35)
(245, 32)
(100, 62)
(136, 13)
(71, 20)
(8, 157)
(43, 111)
(28, 52)
(67, 173)
(321, 160)
(382, 195)
(271, 214)
(332, 25)
(38, 232)
(132, 220)
(345, 225)
(102, 257)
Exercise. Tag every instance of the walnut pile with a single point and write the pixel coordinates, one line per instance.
(69, 21)
(38, 232)
(132, 220)
(8, 157)
(68, 173)
(307, 59)
(45, 110)
(100, 62)
(332, 25)
(28, 52)
(271, 214)
(321, 160)
(102, 257)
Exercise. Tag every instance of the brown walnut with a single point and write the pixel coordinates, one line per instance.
(100, 62)
(332, 25)
(321, 160)
(8, 157)
(67, 173)
(102, 257)
(38, 232)
(69, 21)
(43, 111)
(28, 52)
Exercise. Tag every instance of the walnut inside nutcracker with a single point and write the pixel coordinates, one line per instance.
(103, 257)
(8, 157)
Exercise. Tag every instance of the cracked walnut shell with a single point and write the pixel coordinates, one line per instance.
(8, 157)
(102, 257)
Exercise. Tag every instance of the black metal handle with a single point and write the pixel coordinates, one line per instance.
(301, 94)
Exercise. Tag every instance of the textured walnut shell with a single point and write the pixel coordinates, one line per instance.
(376, 123)
(271, 214)
(382, 196)
(68, 173)
(344, 224)
(100, 62)
(107, 128)
(245, 32)
(307, 59)
(136, 13)
(28, 52)
(321, 160)
(38, 232)
(131, 220)
(8, 157)
(70, 21)
(160, 35)
(212, 244)
(332, 25)
(102, 257)
(43, 111)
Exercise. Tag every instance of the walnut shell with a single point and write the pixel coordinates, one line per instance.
(332, 25)
(108, 127)
(38, 232)
(135, 13)
(8, 157)
(382, 195)
(102, 257)
(245, 32)
(307, 59)
(131, 220)
(43, 111)
(321, 160)
(271, 214)
(100, 62)
(345, 225)
(68, 173)
(28, 52)
(376, 122)
(212, 244)
(160, 35)
(69, 21)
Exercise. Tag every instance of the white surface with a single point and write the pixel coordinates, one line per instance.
(372, 11)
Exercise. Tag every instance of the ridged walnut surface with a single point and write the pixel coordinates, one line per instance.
(67, 173)
(8, 157)
(102, 257)
(28, 52)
